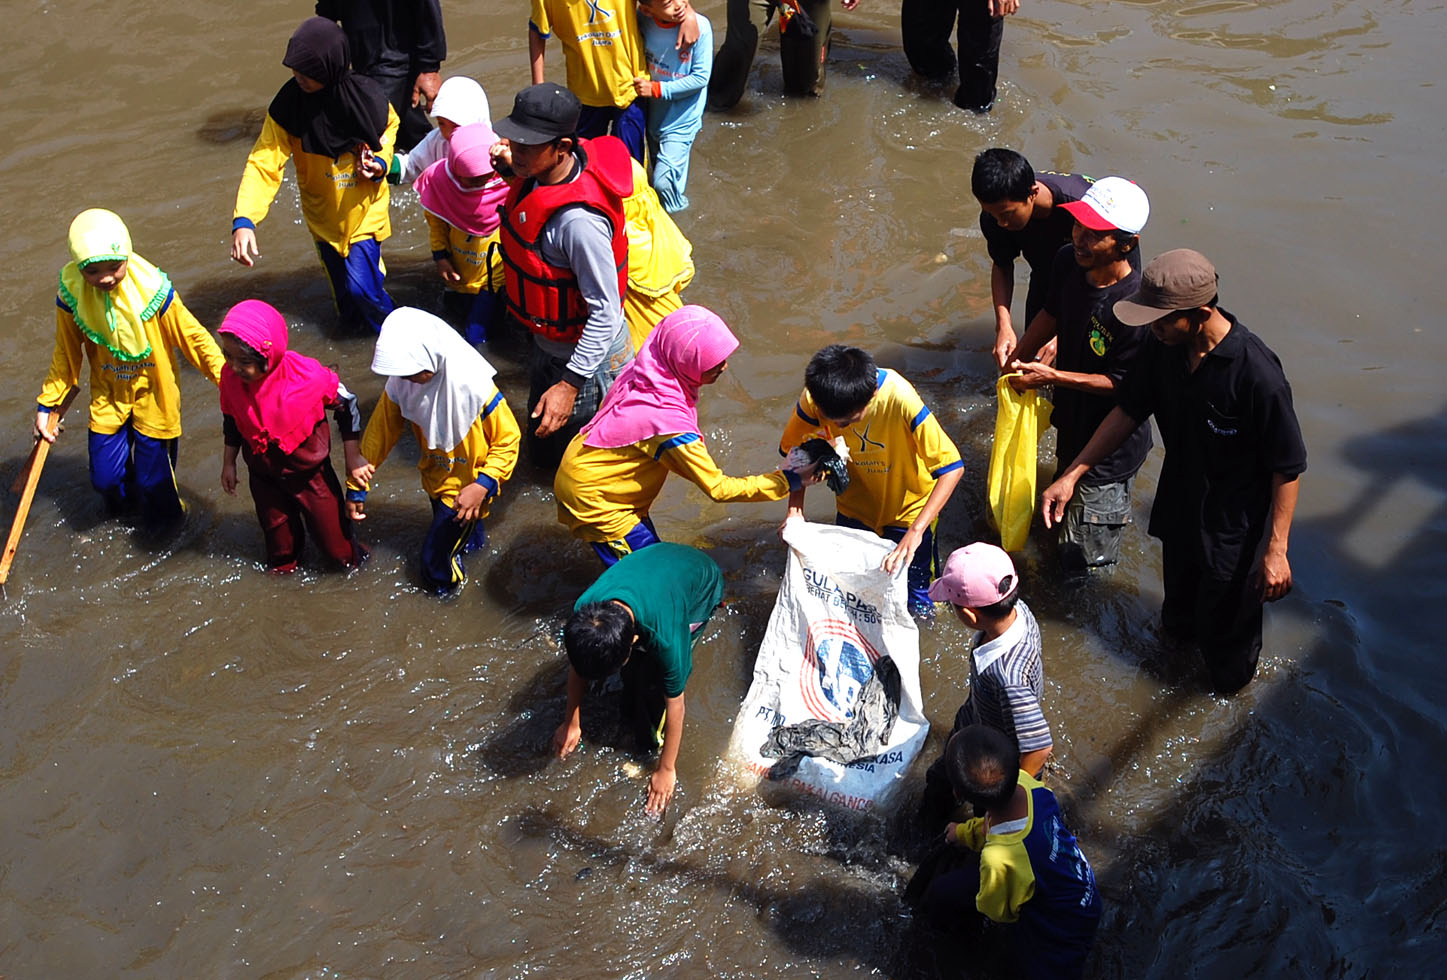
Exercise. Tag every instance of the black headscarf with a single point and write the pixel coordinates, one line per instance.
(351, 109)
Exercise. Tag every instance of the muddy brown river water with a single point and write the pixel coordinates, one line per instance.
(209, 772)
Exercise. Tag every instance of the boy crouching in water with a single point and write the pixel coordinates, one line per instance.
(1031, 874)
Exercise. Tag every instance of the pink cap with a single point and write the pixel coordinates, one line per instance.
(976, 576)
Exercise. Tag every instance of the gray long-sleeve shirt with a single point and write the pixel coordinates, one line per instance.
(582, 240)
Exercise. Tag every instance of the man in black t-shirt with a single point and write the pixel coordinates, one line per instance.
(1234, 451)
(1020, 215)
(1094, 351)
(400, 45)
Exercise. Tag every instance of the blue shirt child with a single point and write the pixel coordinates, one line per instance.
(675, 112)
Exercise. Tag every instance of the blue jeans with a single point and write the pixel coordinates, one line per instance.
(127, 467)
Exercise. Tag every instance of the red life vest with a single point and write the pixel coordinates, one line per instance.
(545, 298)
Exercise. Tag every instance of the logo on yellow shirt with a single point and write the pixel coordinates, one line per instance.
(864, 441)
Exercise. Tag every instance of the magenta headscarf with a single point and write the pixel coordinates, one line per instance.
(657, 393)
(290, 399)
(474, 210)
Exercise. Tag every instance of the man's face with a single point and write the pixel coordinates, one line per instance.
(538, 159)
(1174, 328)
(1094, 249)
(1011, 215)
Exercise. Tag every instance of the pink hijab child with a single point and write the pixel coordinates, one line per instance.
(461, 195)
(274, 403)
(648, 427)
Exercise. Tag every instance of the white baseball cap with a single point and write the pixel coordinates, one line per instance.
(1112, 204)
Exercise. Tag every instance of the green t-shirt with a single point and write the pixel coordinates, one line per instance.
(672, 589)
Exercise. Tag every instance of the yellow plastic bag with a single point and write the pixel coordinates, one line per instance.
(1019, 419)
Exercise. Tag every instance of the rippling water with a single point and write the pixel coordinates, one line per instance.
(205, 771)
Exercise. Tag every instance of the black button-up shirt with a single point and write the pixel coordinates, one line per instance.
(1228, 427)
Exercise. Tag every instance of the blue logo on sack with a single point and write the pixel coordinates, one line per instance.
(842, 662)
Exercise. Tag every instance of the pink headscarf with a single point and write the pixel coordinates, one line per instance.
(657, 393)
(474, 210)
(286, 404)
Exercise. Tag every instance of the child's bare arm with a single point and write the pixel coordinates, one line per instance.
(228, 468)
(537, 47)
(355, 461)
(688, 32)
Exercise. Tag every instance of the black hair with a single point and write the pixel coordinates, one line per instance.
(999, 610)
(841, 380)
(248, 353)
(598, 638)
(1001, 174)
(983, 764)
(1196, 316)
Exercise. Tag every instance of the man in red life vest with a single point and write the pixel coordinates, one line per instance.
(565, 252)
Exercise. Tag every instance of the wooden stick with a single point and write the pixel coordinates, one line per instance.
(31, 476)
(56, 415)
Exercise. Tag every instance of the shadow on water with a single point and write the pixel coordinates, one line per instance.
(302, 292)
(232, 125)
(1248, 869)
(65, 482)
(809, 920)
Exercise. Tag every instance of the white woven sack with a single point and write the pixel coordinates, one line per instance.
(835, 615)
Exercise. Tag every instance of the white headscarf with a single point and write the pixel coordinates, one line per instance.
(444, 408)
(463, 101)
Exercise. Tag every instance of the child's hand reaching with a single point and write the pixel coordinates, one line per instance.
(447, 271)
(368, 163)
(243, 246)
(228, 477)
(469, 502)
(356, 510)
(361, 472)
(500, 156)
(643, 86)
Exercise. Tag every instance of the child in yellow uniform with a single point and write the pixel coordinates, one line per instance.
(660, 260)
(902, 466)
(603, 50)
(646, 428)
(338, 129)
(463, 426)
(460, 196)
(122, 314)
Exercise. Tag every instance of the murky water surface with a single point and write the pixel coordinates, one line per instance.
(205, 771)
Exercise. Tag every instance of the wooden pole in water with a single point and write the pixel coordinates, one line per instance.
(25, 485)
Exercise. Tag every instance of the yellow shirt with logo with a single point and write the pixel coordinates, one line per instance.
(486, 455)
(468, 254)
(602, 47)
(603, 494)
(143, 391)
(896, 452)
(339, 205)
